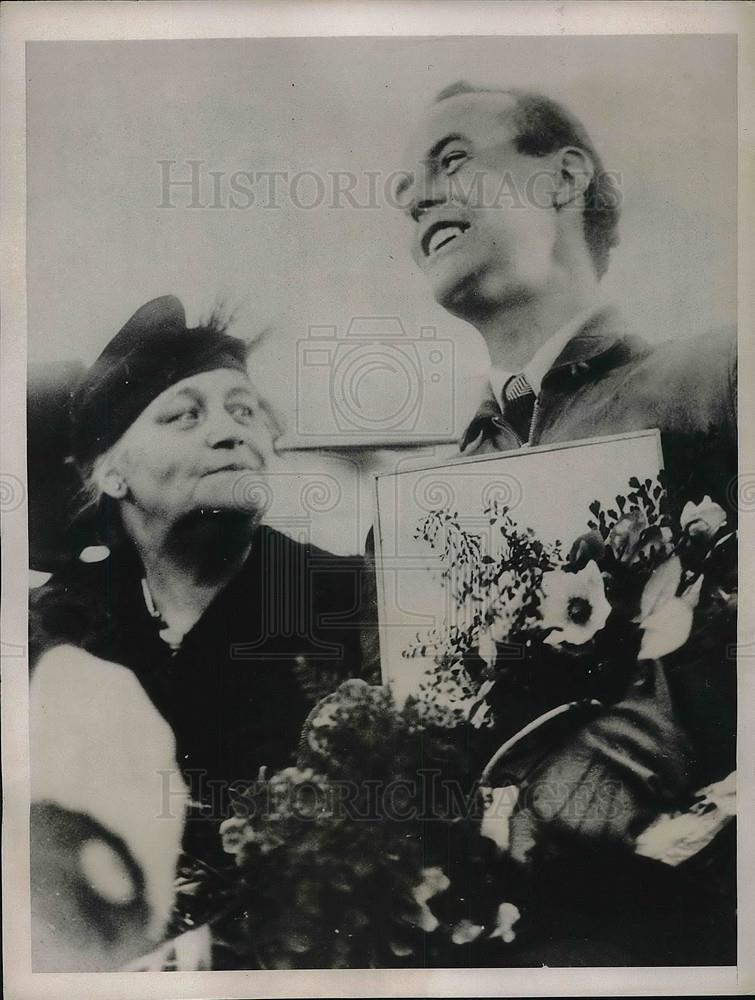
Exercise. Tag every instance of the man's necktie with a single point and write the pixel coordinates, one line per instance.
(519, 404)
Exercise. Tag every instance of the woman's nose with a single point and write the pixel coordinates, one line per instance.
(223, 431)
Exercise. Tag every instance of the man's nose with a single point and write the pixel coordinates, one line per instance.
(418, 208)
(427, 191)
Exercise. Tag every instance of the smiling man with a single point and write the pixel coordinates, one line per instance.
(514, 217)
(492, 235)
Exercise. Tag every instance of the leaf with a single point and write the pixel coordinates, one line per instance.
(634, 483)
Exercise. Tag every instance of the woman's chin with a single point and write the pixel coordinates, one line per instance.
(217, 521)
(223, 506)
(233, 494)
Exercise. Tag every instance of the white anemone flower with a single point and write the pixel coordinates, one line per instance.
(574, 605)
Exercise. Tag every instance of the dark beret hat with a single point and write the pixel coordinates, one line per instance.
(153, 351)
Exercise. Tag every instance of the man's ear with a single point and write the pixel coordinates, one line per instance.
(574, 173)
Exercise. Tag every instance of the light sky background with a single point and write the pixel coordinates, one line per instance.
(661, 109)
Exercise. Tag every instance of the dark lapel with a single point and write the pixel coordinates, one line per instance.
(601, 343)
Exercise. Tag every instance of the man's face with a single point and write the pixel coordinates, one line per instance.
(484, 223)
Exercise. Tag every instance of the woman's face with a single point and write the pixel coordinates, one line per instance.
(201, 444)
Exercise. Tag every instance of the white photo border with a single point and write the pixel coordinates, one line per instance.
(22, 22)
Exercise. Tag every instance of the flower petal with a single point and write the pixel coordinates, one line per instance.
(554, 638)
(590, 576)
(507, 916)
(434, 880)
(661, 586)
(556, 586)
(465, 931)
(586, 547)
(559, 588)
(691, 595)
(666, 629)
(704, 518)
(654, 541)
(689, 513)
(625, 534)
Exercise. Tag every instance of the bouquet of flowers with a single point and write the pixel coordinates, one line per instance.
(371, 851)
(538, 627)
(387, 844)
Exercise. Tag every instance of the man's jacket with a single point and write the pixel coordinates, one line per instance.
(609, 381)
(674, 728)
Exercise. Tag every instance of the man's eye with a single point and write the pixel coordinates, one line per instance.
(452, 161)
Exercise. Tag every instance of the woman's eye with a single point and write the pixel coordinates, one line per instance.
(452, 161)
(186, 418)
(243, 412)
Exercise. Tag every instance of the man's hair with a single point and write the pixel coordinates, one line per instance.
(543, 126)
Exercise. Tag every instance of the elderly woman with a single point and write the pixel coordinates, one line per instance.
(229, 626)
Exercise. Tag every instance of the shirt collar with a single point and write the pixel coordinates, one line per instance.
(604, 339)
(544, 358)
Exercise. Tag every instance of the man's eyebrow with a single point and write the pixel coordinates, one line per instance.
(433, 153)
(437, 149)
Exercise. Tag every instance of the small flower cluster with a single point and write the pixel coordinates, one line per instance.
(344, 858)
(497, 594)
